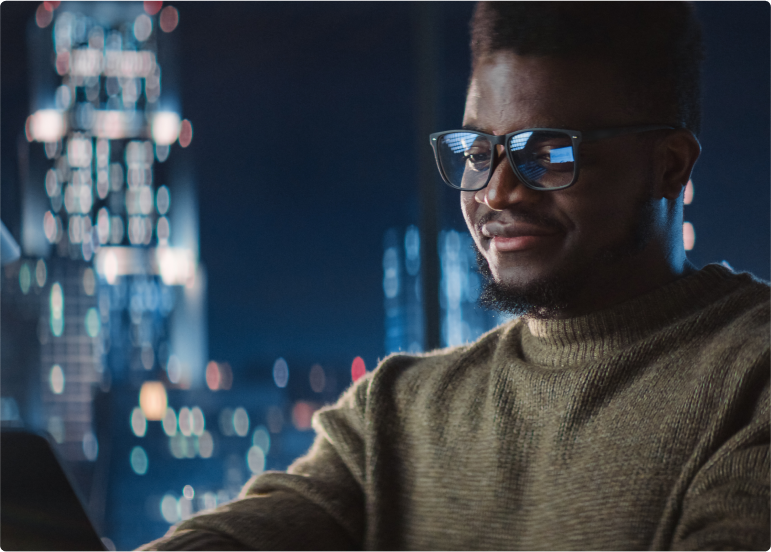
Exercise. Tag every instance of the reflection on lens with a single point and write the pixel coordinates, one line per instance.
(544, 159)
(465, 159)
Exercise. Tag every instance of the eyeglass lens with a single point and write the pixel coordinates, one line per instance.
(544, 158)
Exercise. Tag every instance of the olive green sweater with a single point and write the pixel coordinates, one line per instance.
(643, 426)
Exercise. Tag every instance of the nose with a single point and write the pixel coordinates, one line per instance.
(504, 188)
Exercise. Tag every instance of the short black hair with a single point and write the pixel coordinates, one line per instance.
(656, 47)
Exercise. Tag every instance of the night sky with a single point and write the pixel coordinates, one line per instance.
(305, 153)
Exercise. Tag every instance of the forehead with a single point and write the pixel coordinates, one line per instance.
(509, 92)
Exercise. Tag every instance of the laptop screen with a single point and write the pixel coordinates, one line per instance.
(40, 509)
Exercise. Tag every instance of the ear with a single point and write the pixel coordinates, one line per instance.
(677, 154)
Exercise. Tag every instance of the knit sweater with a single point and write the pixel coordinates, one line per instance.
(642, 426)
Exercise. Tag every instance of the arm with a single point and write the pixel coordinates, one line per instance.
(727, 505)
(318, 504)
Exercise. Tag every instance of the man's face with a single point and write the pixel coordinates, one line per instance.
(555, 249)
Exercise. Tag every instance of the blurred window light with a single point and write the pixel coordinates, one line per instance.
(56, 379)
(240, 422)
(169, 422)
(689, 236)
(139, 461)
(49, 226)
(302, 412)
(40, 273)
(89, 282)
(138, 422)
(79, 151)
(163, 231)
(255, 459)
(178, 446)
(57, 309)
(688, 195)
(46, 125)
(185, 421)
(163, 200)
(52, 183)
(391, 272)
(63, 97)
(169, 19)
(152, 400)
(185, 133)
(280, 372)
(25, 278)
(209, 500)
(169, 506)
(317, 378)
(198, 421)
(185, 508)
(116, 177)
(261, 438)
(102, 183)
(143, 26)
(103, 225)
(358, 368)
(146, 200)
(226, 422)
(93, 323)
(96, 37)
(188, 492)
(165, 127)
(412, 250)
(90, 446)
(147, 356)
(205, 445)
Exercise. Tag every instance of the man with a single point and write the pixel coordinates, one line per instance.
(628, 406)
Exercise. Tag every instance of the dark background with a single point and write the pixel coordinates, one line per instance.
(305, 153)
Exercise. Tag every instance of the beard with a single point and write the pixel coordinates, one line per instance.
(548, 296)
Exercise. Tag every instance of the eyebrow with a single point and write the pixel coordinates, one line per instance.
(474, 127)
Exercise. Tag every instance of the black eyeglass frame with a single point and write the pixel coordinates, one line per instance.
(576, 137)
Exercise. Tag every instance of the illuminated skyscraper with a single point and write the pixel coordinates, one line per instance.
(462, 320)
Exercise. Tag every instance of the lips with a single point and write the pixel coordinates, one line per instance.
(517, 236)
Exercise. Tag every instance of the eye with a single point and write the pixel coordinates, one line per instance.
(478, 159)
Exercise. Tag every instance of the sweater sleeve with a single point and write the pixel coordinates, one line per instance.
(317, 504)
(728, 506)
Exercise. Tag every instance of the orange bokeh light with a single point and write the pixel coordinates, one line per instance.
(153, 400)
(302, 413)
(358, 369)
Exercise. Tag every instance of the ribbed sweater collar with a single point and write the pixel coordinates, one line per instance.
(572, 341)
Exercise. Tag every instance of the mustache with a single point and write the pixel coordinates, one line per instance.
(522, 215)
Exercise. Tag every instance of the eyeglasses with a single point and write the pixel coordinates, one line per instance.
(542, 158)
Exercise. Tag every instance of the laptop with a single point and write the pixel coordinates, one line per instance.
(39, 508)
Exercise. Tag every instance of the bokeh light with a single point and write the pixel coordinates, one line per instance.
(226, 422)
(165, 127)
(138, 422)
(188, 492)
(205, 445)
(93, 323)
(152, 400)
(280, 372)
(170, 422)
(90, 446)
(152, 6)
(169, 507)
(25, 278)
(689, 236)
(185, 133)
(41, 273)
(163, 200)
(302, 412)
(139, 460)
(174, 369)
(240, 422)
(317, 378)
(358, 369)
(169, 19)
(55, 427)
(255, 459)
(688, 194)
(212, 375)
(56, 379)
(43, 17)
(57, 309)
(198, 421)
(143, 27)
(185, 421)
(261, 438)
